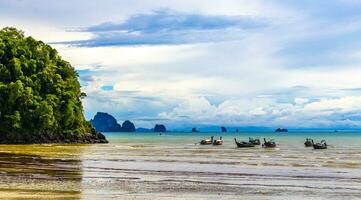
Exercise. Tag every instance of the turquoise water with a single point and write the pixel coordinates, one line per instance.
(350, 135)
(175, 166)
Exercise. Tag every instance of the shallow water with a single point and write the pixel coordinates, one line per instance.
(173, 166)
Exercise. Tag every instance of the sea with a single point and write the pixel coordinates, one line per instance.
(174, 166)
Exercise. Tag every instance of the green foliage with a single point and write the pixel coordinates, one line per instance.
(39, 92)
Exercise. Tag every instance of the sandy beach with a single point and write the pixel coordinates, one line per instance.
(173, 167)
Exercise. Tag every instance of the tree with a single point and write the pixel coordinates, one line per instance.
(39, 92)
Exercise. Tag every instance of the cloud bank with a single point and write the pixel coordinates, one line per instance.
(237, 63)
(166, 27)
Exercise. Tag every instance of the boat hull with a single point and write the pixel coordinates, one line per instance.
(269, 145)
(308, 144)
(243, 145)
(217, 142)
(315, 146)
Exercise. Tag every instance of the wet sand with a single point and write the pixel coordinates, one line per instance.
(176, 168)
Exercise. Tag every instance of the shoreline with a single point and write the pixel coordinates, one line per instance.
(173, 168)
(85, 138)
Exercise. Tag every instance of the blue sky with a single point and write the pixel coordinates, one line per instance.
(216, 62)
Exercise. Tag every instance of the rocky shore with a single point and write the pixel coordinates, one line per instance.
(48, 137)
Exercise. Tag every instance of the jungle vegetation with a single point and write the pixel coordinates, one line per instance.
(40, 93)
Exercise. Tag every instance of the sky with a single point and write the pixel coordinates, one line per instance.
(268, 63)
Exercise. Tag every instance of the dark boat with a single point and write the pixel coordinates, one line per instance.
(207, 141)
(269, 144)
(243, 144)
(308, 142)
(218, 142)
(254, 141)
(320, 145)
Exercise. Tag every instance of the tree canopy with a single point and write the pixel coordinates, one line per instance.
(39, 92)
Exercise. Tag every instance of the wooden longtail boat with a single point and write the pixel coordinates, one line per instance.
(207, 141)
(254, 141)
(269, 144)
(218, 142)
(243, 144)
(308, 142)
(320, 145)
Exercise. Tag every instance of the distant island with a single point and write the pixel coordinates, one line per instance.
(160, 128)
(105, 122)
(128, 126)
(223, 129)
(194, 130)
(281, 130)
(40, 95)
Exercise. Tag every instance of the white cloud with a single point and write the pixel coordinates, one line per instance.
(267, 112)
(344, 104)
(113, 58)
(293, 72)
(180, 82)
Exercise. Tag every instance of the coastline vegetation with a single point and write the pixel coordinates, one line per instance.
(40, 96)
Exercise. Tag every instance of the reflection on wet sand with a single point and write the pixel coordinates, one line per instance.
(40, 171)
(146, 167)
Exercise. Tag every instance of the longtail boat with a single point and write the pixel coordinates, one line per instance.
(269, 144)
(308, 142)
(254, 141)
(207, 141)
(320, 145)
(218, 142)
(243, 144)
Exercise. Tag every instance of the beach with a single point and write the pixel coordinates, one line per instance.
(174, 166)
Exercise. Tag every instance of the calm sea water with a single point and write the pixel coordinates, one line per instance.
(174, 166)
